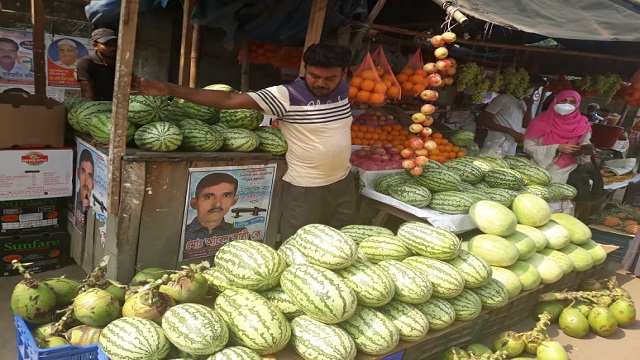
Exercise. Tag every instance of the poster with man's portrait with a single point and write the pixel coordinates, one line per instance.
(225, 204)
(62, 56)
(92, 175)
(16, 57)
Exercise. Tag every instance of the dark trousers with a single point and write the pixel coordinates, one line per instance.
(333, 205)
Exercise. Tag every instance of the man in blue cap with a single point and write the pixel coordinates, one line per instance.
(96, 72)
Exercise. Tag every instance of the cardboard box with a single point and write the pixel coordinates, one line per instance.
(35, 173)
(28, 216)
(31, 122)
(44, 251)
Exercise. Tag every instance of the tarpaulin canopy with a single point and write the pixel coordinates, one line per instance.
(604, 20)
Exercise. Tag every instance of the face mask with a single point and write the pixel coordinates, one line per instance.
(564, 109)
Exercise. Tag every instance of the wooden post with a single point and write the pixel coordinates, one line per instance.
(357, 40)
(195, 54)
(186, 44)
(124, 70)
(37, 24)
(316, 21)
(244, 68)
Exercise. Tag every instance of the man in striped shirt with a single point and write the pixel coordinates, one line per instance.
(315, 118)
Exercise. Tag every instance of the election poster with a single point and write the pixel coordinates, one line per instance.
(63, 53)
(16, 57)
(224, 204)
(92, 177)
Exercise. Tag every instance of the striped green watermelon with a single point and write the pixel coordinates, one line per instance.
(191, 122)
(384, 247)
(250, 264)
(493, 294)
(218, 282)
(439, 180)
(70, 102)
(201, 138)
(384, 183)
(200, 112)
(325, 246)
(241, 118)
(482, 185)
(504, 179)
(451, 202)
(177, 114)
(475, 195)
(100, 128)
(446, 280)
(240, 140)
(134, 338)
(501, 196)
(567, 191)
(534, 175)
(79, 117)
(271, 140)
(462, 137)
(467, 305)
(315, 340)
(464, 186)
(235, 353)
(468, 171)
(358, 233)
(495, 250)
(290, 253)
(145, 109)
(412, 194)
(427, 240)
(475, 271)
(195, 328)
(481, 162)
(320, 293)
(253, 321)
(517, 161)
(540, 190)
(283, 302)
(509, 279)
(373, 287)
(411, 286)
(158, 136)
(439, 312)
(373, 333)
(496, 163)
(412, 324)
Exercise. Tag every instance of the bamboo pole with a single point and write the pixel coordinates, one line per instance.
(124, 70)
(186, 44)
(37, 24)
(195, 55)
(357, 40)
(316, 21)
(244, 68)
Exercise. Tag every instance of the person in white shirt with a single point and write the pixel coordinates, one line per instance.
(9, 66)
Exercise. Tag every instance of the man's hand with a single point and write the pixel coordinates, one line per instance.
(149, 87)
(516, 135)
(568, 148)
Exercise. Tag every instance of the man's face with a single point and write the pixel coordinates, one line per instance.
(214, 202)
(8, 54)
(67, 53)
(322, 81)
(85, 181)
(108, 49)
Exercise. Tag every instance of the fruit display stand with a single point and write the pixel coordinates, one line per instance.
(147, 230)
(387, 205)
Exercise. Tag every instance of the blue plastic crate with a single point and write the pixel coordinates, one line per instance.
(101, 354)
(27, 349)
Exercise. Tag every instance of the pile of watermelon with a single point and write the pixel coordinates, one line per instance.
(157, 124)
(453, 187)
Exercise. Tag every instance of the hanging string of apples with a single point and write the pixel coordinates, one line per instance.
(439, 74)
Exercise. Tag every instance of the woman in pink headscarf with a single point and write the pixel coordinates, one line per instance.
(554, 136)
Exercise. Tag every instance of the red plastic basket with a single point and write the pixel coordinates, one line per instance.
(27, 349)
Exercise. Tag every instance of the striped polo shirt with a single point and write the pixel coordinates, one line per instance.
(317, 130)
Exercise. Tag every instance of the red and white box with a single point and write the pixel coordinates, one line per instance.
(36, 173)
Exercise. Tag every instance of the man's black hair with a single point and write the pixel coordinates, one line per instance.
(10, 41)
(327, 56)
(85, 155)
(215, 179)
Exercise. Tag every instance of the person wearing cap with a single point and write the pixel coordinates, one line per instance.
(67, 53)
(96, 72)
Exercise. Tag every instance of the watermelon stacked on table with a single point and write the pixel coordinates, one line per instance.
(159, 125)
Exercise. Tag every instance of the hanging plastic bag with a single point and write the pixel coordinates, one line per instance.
(386, 74)
(497, 148)
(366, 86)
(413, 78)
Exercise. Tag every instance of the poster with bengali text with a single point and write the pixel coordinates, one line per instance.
(16, 57)
(63, 53)
(92, 178)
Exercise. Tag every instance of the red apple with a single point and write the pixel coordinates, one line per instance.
(453, 62)
(451, 71)
(436, 41)
(406, 153)
(430, 145)
(430, 68)
(426, 131)
(427, 109)
(421, 152)
(434, 80)
(418, 118)
(429, 95)
(417, 170)
(416, 143)
(421, 160)
(443, 64)
(448, 80)
(415, 128)
(441, 52)
(408, 164)
(448, 37)
(428, 120)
